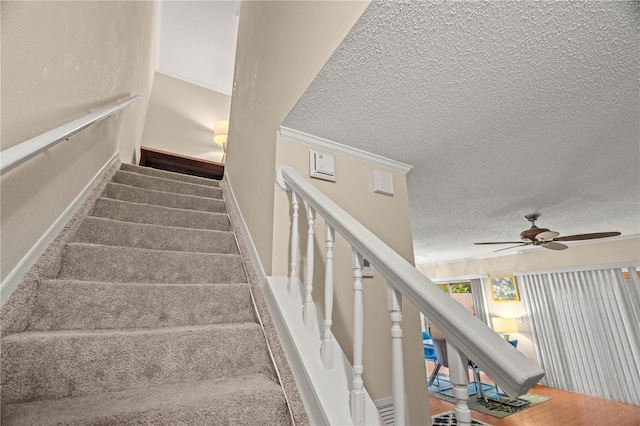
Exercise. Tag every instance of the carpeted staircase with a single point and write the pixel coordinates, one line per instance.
(150, 319)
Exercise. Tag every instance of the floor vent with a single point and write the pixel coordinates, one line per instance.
(386, 410)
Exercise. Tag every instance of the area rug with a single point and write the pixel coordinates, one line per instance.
(497, 405)
(449, 419)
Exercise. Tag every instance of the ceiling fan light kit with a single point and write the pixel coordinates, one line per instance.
(546, 238)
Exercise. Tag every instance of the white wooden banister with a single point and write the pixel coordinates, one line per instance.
(506, 365)
(18, 154)
(467, 336)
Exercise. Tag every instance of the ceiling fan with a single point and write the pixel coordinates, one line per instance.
(546, 238)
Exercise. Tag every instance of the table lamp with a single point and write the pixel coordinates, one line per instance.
(220, 135)
(505, 326)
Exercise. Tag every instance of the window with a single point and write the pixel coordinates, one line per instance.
(455, 288)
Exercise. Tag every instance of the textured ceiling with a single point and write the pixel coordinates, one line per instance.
(503, 108)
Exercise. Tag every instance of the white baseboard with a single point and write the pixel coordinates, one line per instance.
(325, 393)
(253, 251)
(15, 276)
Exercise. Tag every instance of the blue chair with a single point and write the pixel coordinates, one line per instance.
(429, 353)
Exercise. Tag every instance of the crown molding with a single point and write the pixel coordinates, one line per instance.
(194, 81)
(340, 149)
(458, 279)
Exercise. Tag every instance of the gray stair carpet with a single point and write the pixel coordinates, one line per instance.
(150, 319)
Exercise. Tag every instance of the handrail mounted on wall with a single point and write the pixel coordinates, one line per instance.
(18, 154)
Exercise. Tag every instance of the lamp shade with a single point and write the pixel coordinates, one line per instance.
(220, 132)
(505, 325)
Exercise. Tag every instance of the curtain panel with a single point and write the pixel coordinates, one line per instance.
(480, 301)
(586, 331)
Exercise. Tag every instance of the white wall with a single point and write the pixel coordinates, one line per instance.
(282, 45)
(181, 118)
(197, 42)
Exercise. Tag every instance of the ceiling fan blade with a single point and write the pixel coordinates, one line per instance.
(502, 242)
(552, 245)
(591, 236)
(507, 248)
(547, 236)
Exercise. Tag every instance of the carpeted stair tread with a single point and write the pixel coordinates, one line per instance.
(149, 320)
(110, 232)
(149, 171)
(243, 400)
(136, 305)
(165, 185)
(91, 262)
(157, 215)
(57, 364)
(160, 198)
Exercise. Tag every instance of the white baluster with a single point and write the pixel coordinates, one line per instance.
(459, 376)
(309, 311)
(397, 364)
(327, 342)
(357, 391)
(293, 275)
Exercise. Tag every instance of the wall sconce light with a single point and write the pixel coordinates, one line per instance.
(505, 326)
(220, 135)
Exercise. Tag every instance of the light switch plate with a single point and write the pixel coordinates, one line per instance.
(382, 182)
(321, 166)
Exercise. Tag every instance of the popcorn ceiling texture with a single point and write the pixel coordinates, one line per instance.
(503, 108)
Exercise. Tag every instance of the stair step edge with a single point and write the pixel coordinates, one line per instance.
(39, 334)
(151, 178)
(155, 191)
(155, 206)
(180, 403)
(180, 177)
(92, 246)
(158, 226)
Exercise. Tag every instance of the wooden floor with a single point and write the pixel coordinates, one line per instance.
(563, 409)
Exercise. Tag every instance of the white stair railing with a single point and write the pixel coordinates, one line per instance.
(467, 336)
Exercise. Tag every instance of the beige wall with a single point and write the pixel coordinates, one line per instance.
(578, 255)
(59, 61)
(281, 48)
(282, 45)
(388, 218)
(182, 116)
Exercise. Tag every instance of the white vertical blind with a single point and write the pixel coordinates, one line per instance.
(479, 300)
(586, 332)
